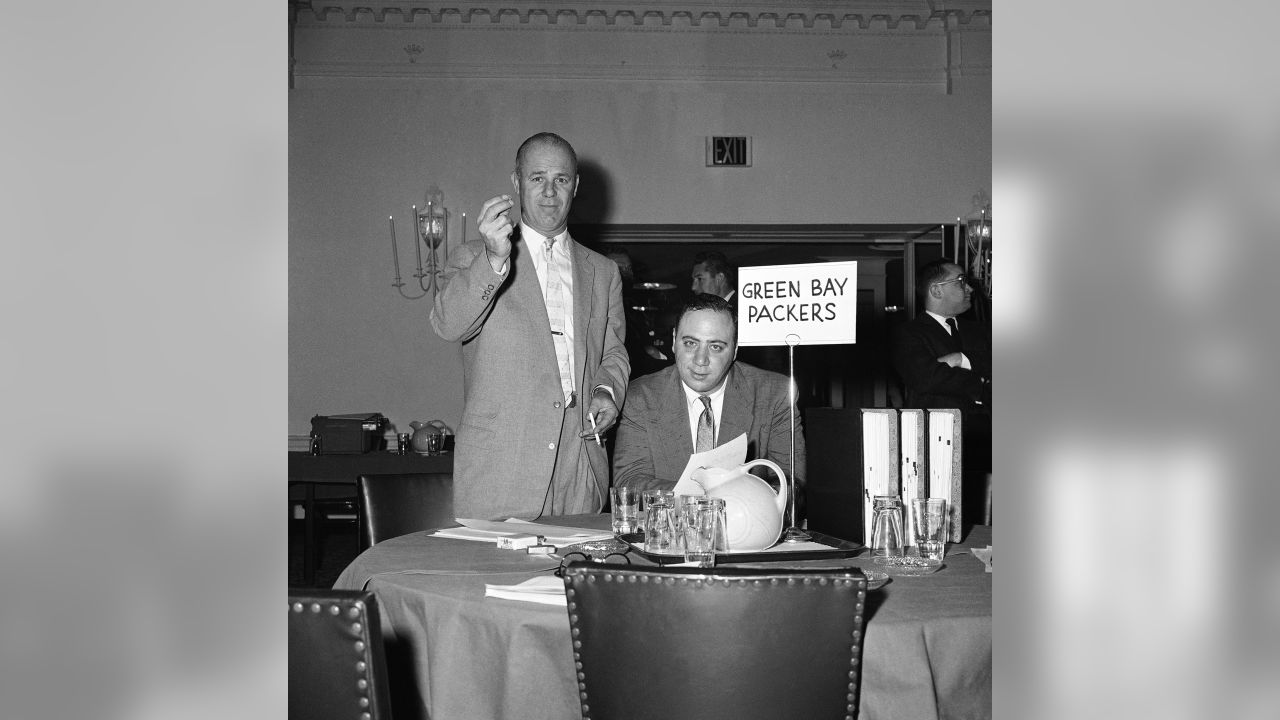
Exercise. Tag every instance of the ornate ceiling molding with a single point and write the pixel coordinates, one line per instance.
(904, 43)
(829, 15)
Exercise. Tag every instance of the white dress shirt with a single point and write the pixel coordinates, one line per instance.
(694, 407)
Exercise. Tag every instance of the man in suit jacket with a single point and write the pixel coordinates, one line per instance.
(660, 422)
(946, 363)
(944, 366)
(541, 322)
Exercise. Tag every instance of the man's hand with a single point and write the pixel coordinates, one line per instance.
(496, 228)
(603, 409)
(952, 359)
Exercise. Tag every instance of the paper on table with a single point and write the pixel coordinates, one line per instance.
(983, 554)
(555, 534)
(729, 455)
(545, 589)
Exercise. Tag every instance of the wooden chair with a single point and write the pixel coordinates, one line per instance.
(701, 644)
(337, 668)
(388, 506)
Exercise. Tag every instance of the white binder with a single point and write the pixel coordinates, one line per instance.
(913, 473)
(944, 464)
(879, 460)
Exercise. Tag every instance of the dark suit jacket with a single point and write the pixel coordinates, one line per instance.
(504, 452)
(654, 443)
(918, 344)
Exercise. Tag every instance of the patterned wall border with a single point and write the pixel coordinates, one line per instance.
(924, 44)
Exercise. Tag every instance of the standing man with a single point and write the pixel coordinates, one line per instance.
(541, 322)
(704, 400)
(715, 275)
(946, 363)
(712, 274)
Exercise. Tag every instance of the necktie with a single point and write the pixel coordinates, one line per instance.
(706, 427)
(955, 331)
(555, 314)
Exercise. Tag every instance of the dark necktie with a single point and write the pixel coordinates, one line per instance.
(955, 332)
(706, 427)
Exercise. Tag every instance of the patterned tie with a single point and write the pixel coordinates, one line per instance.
(955, 331)
(555, 313)
(706, 427)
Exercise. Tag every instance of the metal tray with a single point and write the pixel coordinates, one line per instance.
(838, 549)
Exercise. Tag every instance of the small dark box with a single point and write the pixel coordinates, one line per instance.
(353, 433)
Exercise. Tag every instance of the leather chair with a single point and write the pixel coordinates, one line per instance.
(700, 644)
(388, 506)
(337, 669)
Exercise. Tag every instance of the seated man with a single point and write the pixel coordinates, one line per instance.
(702, 401)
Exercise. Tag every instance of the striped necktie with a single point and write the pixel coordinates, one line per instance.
(555, 314)
(706, 427)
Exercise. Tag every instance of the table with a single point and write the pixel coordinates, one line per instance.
(337, 473)
(457, 655)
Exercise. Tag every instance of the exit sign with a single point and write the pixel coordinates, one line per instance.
(728, 151)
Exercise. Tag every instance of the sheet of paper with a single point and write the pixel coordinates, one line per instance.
(729, 455)
(545, 589)
(555, 534)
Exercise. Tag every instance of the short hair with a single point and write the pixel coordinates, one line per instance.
(935, 271)
(715, 303)
(545, 138)
(717, 263)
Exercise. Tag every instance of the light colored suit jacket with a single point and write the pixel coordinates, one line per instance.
(505, 446)
(654, 442)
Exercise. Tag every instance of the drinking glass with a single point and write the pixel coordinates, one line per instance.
(660, 526)
(624, 501)
(886, 526)
(930, 519)
(650, 497)
(704, 533)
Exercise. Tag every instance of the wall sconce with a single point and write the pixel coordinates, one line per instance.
(976, 231)
(430, 228)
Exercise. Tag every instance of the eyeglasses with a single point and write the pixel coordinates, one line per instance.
(613, 558)
(959, 278)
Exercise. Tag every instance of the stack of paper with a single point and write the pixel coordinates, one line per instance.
(490, 530)
(545, 589)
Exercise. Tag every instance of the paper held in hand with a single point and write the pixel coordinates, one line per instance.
(729, 455)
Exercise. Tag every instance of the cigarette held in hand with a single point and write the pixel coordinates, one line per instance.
(591, 417)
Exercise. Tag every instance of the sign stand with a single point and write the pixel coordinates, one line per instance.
(793, 533)
(810, 304)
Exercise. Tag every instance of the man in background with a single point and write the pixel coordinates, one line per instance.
(704, 400)
(541, 323)
(945, 362)
(713, 274)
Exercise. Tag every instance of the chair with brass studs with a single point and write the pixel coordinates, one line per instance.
(701, 644)
(337, 669)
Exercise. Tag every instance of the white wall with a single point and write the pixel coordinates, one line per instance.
(363, 148)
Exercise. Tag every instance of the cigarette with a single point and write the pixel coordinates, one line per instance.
(591, 417)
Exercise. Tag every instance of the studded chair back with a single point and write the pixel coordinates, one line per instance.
(701, 644)
(337, 669)
(389, 506)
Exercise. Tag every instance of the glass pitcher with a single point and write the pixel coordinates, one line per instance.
(886, 526)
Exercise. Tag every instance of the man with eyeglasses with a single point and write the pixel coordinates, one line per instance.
(945, 362)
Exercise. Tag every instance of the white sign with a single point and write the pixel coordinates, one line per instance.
(815, 303)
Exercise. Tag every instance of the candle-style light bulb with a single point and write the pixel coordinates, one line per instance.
(395, 251)
(417, 238)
